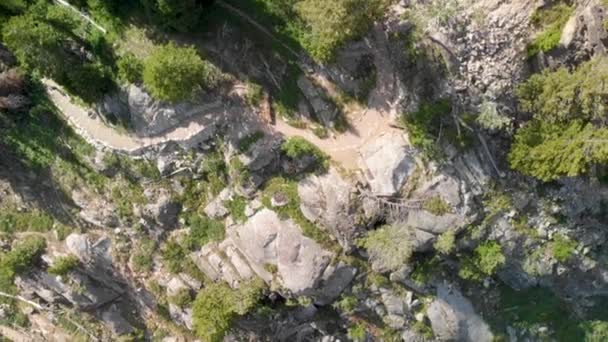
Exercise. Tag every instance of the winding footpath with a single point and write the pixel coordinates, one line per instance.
(344, 148)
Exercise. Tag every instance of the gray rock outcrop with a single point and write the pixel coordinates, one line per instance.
(387, 162)
(329, 201)
(453, 318)
(276, 251)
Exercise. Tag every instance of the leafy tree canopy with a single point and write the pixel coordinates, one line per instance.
(172, 73)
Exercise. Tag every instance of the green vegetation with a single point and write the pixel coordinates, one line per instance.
(562, 248)
(63, 265)
(289, 188)
(182, 16)
(182, 298)
(423, 126)
(323, 34)
(254, 95)
(143, 255)
(173, 255)
(297, 148)
(217, 305)
(237, 206)
(173, 73)
(44, 40)
(202, 230)
(561, 96)
(19, 259)
(552, 21)
(487, 259)
(437, 206)
(550, 151)
(347, 303)
(389, 246)
(357, 332)
(12, 221)
(424, 270)
(535, 307)
(248, 141)
(446, 242)
(130, 68)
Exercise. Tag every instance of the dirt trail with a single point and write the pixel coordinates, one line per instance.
(365, 125)
(96, 131)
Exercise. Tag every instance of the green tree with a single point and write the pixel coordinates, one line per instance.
(38, 46)
(172, 73)
(329, 24)
(182, 15)
(550, 151)
(130, 68)
(217, 305)
(389, 247)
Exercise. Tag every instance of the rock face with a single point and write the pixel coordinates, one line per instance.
(150, 117)
(453, 318)
(328, 200)
(584, 34)
(91, 286)
(163, 210)
(387, 163)
(275, 250)
(325, 111)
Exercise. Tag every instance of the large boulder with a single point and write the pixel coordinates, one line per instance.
(453, 318)
(324, 110)
(151, 117)
(329, 201)
(276, 251)
(387, 163)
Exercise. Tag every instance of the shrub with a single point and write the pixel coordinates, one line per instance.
(237, 207)
(172, 73)
(437, 206)
(329, 24)
(561, 96)
(143, 256)
(202, 230)
(255, 94)
(488, 257)
(347, 304)
(357, 332)
(551, 151)
(12, 221)
(174, 255)
(130, 68)
(562, 248)
(89, 81)
(63, 265)
(389, 247)
(182, 298)
(182, 16)
(19, 259)
(423, 125)
(298, 147)
(248, 141)
(217, 305)
(446, 242)
(490, 119)
(596, 331)
(552, 20)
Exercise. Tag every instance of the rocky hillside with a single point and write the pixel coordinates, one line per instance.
(309, 170)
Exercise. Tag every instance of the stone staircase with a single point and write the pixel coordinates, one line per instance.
(224, 261)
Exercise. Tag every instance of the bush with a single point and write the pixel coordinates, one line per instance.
(551, 151)
(298, 147)
(130, 68)
(143, 255)
(174, 255)
(217, 305)
(63, 265)
(389, 247)
(552, 20)
(562, 248)
(423, 125)
(237, 207)
(437, 206)
(19, 259)
(446, 242)
(329, 24)
(182, 16)
(203, 230)
(254, 95)
(12, 221)
(357, 332)
(488, 257)
(347, 304)
(172, 73)
(561, 96)
(596, 331)
(89, 81)
(182, 298)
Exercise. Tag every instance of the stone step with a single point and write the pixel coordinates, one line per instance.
(237, 259)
